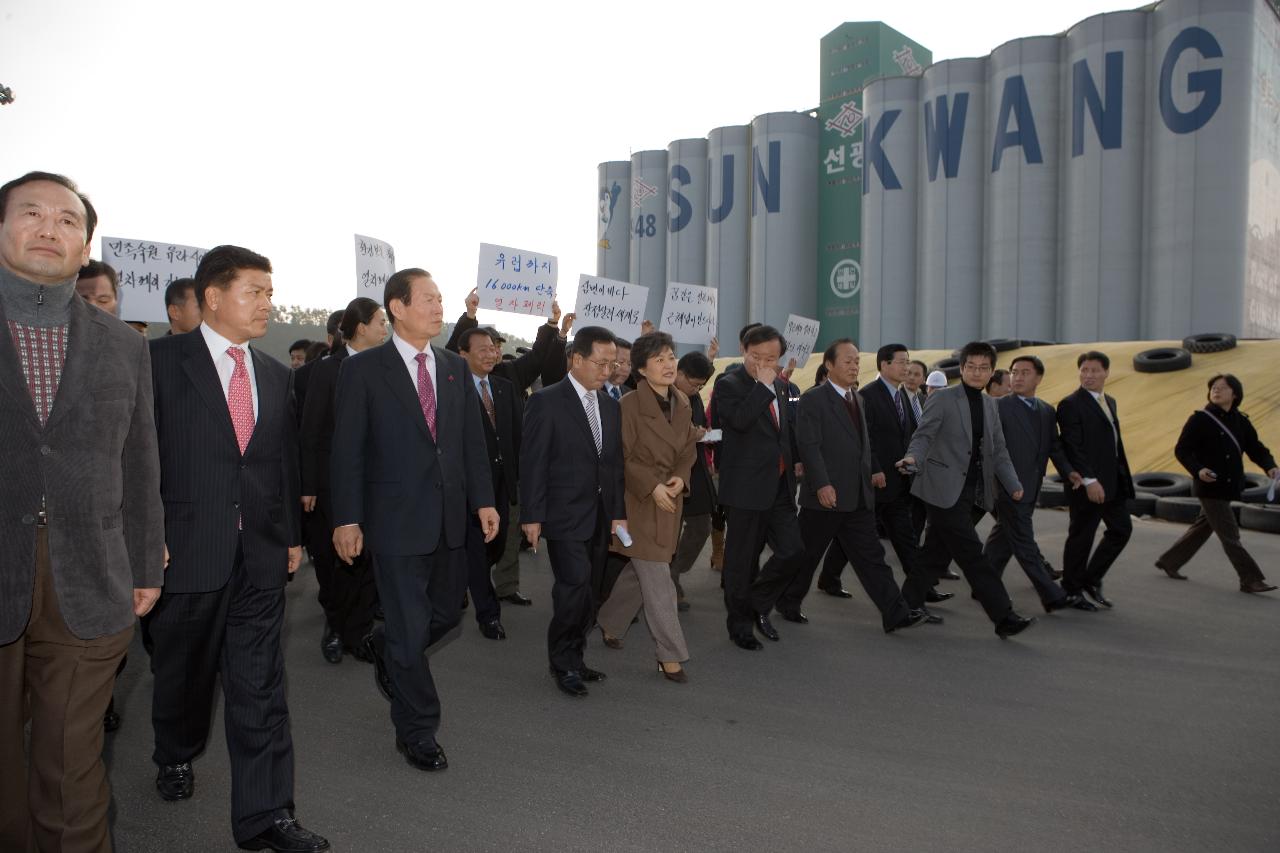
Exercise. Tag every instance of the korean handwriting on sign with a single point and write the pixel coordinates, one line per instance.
(691, 297)
(529, 264)
(690, 319)
(137, 252)
(376, 250)
(372, 279)
(599, 288)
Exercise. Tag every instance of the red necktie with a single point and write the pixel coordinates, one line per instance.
(782, 465)
(240, 399)
(426, 393)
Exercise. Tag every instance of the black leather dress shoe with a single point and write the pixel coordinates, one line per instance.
(912, 619)
(1053, 573)
(517, 599)
(570, 682)
(378, 614)
(285, 833)
(359, 652)
(176, 782)
(836, 591)
(795, 616)
(423, 756)
(381, 678)
(1073, 600)
(331, 646)
(949, 575)
(764, 626)
(1095, 592)
(930, 618)
(749, 643)
(589, 674)
(111, 720)
(1256, 586)
(1173, 573)
(1013, 624)
(933, 596)
(493, 630)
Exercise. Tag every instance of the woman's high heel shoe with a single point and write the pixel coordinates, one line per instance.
(611, 642)
(679, 676)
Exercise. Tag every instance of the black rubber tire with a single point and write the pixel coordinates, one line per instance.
(1004, 344)
(1162, 360)
(1037, 343)
(1181, 510)
(1209, 343)
(1236, 506)
(1255, 490)
(1051, 495)
(1143, 503)
(1163, 484)
(950, 367)
(1264, 518)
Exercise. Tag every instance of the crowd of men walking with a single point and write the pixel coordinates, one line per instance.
(179, 479)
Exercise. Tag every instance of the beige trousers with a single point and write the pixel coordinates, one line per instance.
(644, 582)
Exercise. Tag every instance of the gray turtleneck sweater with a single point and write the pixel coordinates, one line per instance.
(38, 318)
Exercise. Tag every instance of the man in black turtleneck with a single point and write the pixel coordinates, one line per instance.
(81, 544)
(957, 453)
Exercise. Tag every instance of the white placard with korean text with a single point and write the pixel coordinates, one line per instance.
(146, 268)
(516, 281)
(616, 305)
(689, 313)
(375, 262)
(801, 334)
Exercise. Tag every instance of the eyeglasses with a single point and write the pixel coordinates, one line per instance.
(604, 365)
(976, 367)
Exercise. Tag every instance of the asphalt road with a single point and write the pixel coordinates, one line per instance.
(1149, 727)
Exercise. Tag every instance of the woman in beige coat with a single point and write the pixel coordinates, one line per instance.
(658, 448)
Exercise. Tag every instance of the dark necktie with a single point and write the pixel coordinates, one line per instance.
(851, 403)
(615, 392)
(488, 403)
(902, 413)
(426, 394)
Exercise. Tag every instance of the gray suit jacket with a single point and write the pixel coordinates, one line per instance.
(96, 465)
(834, 450)
(943, 443)
(1031, 436)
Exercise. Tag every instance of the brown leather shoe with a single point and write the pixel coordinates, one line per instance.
(678, 676)
(1256, 586)
(1173, 573)
(611, 642)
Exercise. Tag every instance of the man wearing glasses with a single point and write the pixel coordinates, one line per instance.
(571, 491)
(958, 453)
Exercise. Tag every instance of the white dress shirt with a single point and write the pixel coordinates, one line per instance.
(410, 356)
(351, 351)
(589, 405)
(1102, 401)
(226, 365)
(839, 390)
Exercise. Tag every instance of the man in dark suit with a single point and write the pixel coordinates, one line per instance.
(1091, 439)
(302, 376)
(1031, 437)
(408, 445)
(757, 458)
(959, 453)
(692, 372)
(571, 491)
(80, 546)
(501, 409)
(229, 482)
(837, 498)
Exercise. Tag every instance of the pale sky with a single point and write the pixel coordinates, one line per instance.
(287, 127)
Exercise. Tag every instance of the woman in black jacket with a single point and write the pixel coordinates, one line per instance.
(1212, 448)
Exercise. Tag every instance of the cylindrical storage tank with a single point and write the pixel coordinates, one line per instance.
(613, 222)
(1020, 257)
(889, 186)
(952, 175)
(648, 261)
(784, 217)
(1104, 101)
(728, 226)
(1200, 83)
(686, 214)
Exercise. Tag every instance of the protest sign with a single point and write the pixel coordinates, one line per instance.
(616, 305)
(801, 334)
(375, 262)
(146, 268)
(689, 313)
(515, 280)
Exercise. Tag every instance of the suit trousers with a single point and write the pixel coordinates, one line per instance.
(1079, 569)
(1014, 536)
(232, 633)
(422, 605)
(578, 568)
(851, 533)
(832, 565)
(506, 574)
(746, 590)
(57, 798)
(646, 583)
(348, 594)
(895, 517)
(951, 536)
(481, 556)
(1215, 517)
(694, 533)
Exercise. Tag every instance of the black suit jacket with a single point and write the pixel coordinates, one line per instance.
(411, 493)
(207, 487)
(702, 490)
(502, 442)
(316, 433)
(889, 440)
(749, 451)
(1090, 446)
(544, 359)
(1031, 437)
(301, 384)
(561, 478)
(835, 451)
